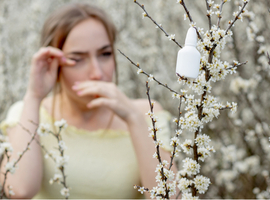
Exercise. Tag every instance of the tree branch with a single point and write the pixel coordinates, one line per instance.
(159, 26)
(190, 18)
(148, 75)
(236, 18)
(208, 15)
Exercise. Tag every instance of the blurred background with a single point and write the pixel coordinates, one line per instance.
(240, 166)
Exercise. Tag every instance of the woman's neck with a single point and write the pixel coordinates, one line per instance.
(76, 109)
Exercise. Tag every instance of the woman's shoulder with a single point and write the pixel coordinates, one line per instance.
(14, 111)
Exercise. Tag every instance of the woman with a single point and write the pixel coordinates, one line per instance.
(107, 136)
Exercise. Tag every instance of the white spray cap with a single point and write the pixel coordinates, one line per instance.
(191, 38)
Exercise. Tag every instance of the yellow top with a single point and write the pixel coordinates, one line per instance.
(102, 164)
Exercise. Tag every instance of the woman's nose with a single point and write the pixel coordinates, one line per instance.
(95, 72)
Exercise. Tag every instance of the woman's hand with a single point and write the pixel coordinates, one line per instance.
(43, 73)
(107, 94)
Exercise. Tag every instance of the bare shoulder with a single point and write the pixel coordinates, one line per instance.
(143, 105)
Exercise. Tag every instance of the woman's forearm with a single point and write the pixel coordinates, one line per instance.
(27, 178)
(145, 148)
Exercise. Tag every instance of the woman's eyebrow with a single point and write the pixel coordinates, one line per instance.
(83, 53)
(105, 47)
(80, 53)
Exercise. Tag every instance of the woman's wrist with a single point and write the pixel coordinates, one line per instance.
(135, 119)
(31, 98)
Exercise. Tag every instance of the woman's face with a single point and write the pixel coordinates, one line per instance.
(89, 46)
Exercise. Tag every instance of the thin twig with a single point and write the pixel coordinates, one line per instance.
(177, 129)
(5, 176)
(42, 146)
(268, 58)
(148, 75)
(220, 10)
(16, 162)
(155, 139)
(159, 26)
(62, 168)
(226, 32)
(236, 18)
(178, 195)
(208, 15)
(58, 137)
(153, 121)
(238, 65)
(190, 18)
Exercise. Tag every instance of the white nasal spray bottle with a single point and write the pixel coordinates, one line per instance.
(188, 58)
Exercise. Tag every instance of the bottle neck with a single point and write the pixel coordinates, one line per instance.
(190, 45)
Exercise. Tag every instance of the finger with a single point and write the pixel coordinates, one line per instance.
(57, 53)
(54, 65)
(54, 52)
(67, 62)
(93, 91)
(104, 90)
(84, 84)
(90, 84)
(46, 54)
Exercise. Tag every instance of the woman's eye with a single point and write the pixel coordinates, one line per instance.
(77, 60)
(106, 53)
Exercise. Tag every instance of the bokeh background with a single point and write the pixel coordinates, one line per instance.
(240, 167)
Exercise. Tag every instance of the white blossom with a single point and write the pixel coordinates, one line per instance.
(174, 141)
(10, 191)
(203, 153)
(256, 190)
(62, 145)
(171, 37)
(239, 84)
(202, 140)
(184, 185)
(43, 129)
(144, 15)
(178, 132)
(159, 142)
(172, 188)
(155, 155)
(260, 38)
(188, 196)
(61, 161)
(191, 166)
(10, 167)
(210, 3)
(169, 174)
(141, 190)
(234, 107)
(187, 146)
(56, 178)
(201, 183)
(151, 77)
(61, 124)
(64, 192)
(139, 71)
(5, 146)
(210, 12)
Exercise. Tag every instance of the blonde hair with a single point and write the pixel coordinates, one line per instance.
(58, 25)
